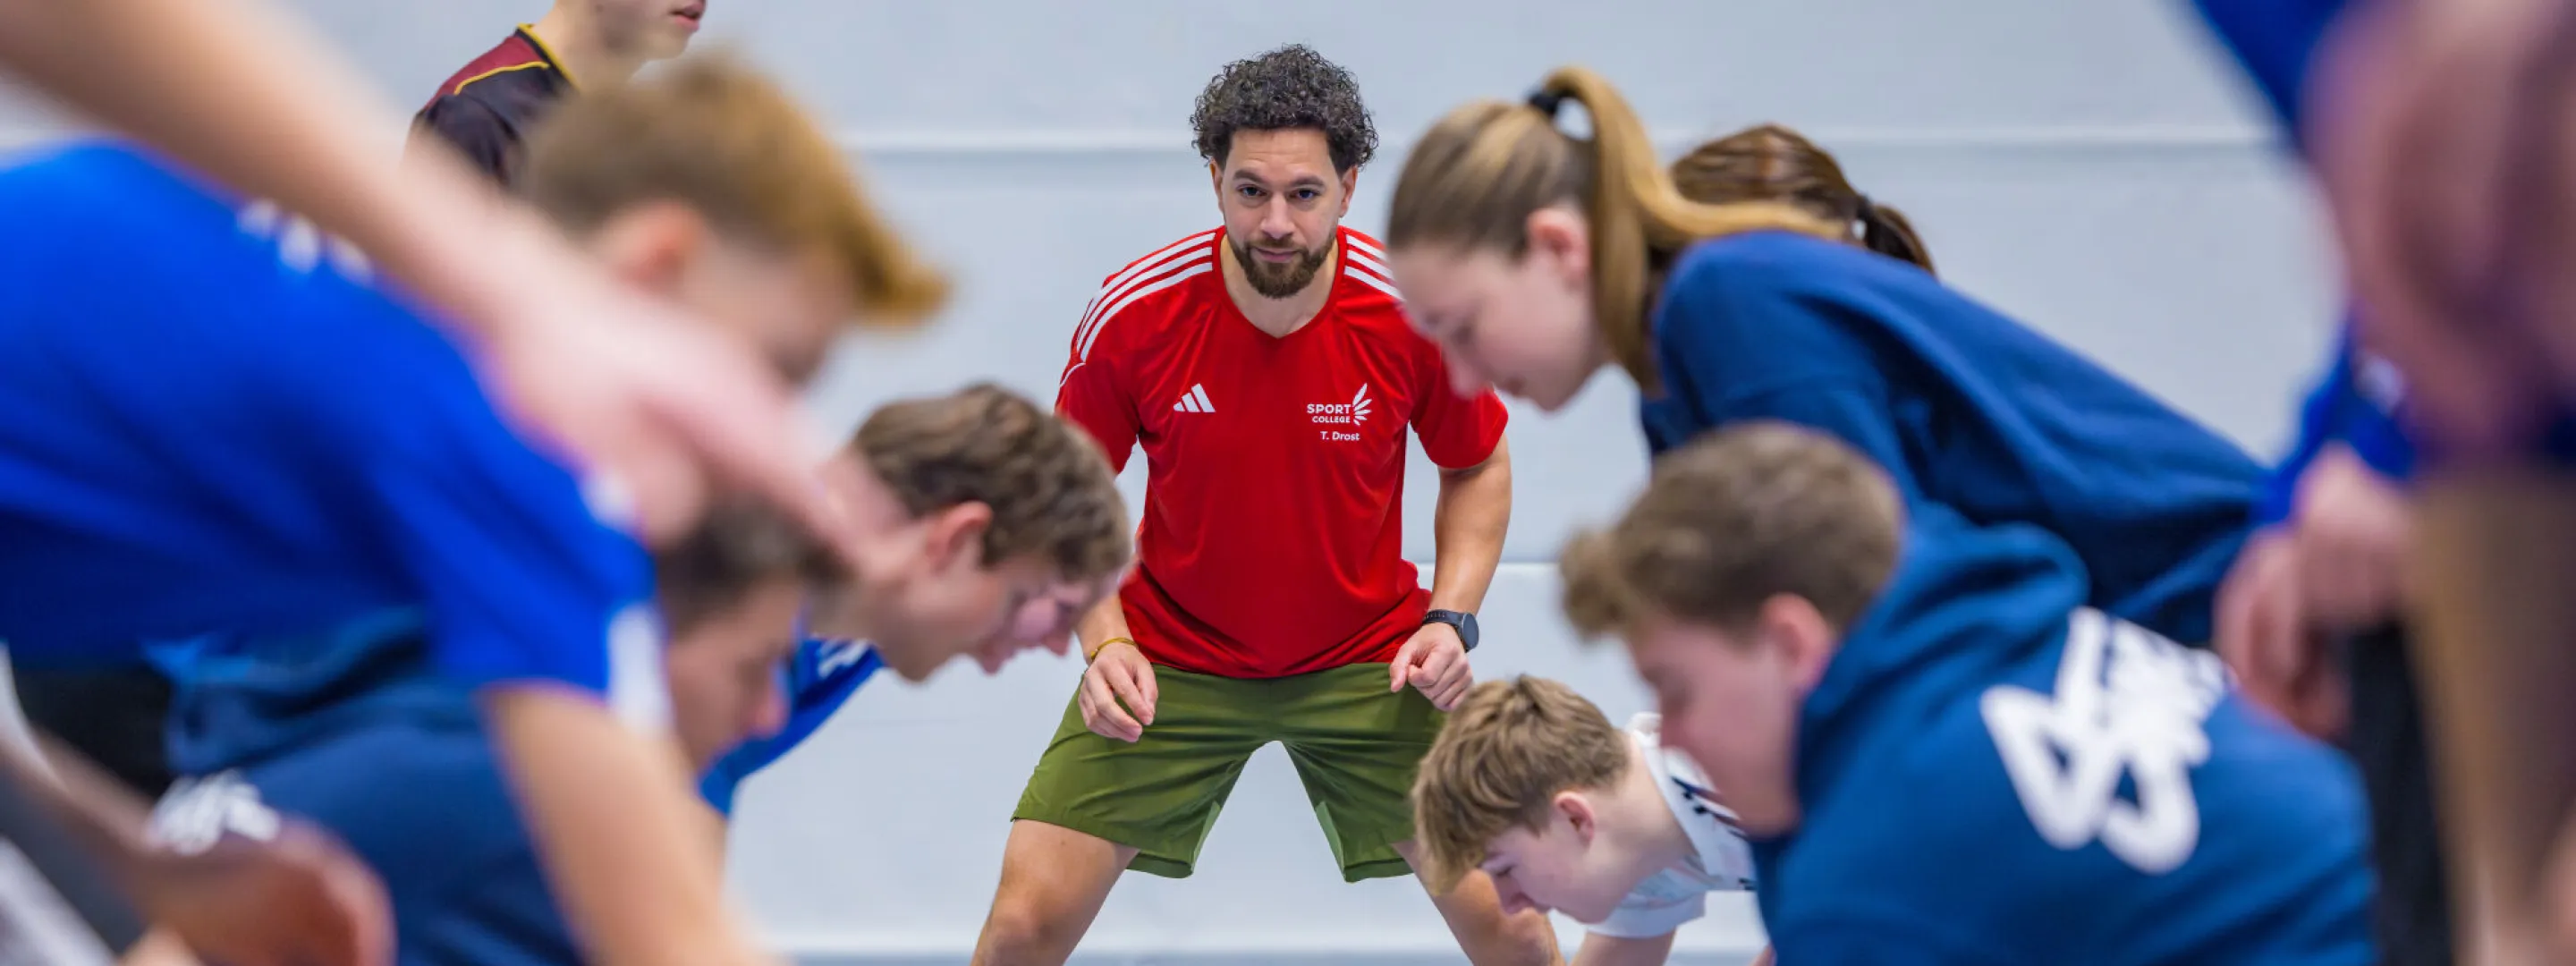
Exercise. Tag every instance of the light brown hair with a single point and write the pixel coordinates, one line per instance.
(712, 134)
(1474, 180)
(1768, 162)
(1499, 763)
(1733, 519)
(1049, 488)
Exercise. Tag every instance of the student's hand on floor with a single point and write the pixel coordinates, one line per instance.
(1434, 661)
(2266, 639)
(298, 899)
(2353, 528)
(1119, 673)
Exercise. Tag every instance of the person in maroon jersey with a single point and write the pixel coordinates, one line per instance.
(488, 106)
(1269, 371)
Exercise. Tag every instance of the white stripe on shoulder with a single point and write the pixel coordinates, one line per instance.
(1373, 281)
(1144, 266)
(1101, 324)
(1362, 260)
(1132, 275)
(1362, 244)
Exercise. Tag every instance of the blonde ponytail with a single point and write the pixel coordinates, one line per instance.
(1475, 178)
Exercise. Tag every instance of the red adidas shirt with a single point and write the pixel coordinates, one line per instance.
(1273, 535)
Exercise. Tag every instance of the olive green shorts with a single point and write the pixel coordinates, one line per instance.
(1355, 745)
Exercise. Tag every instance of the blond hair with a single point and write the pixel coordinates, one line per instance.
(1499, 763)
(1048, 485)
(1739, 516)
(1474, 180)
(716, 136)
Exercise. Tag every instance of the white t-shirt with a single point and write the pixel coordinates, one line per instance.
(1720, 861)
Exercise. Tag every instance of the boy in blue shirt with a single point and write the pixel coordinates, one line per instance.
(1055, 542)
(1939, 752)
(241, 433)
(983, 525)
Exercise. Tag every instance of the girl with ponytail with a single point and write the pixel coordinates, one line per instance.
(1536, 258)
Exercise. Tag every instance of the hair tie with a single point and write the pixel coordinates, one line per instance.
(1860, 206)
(1546, 102)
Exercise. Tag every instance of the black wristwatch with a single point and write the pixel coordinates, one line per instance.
(1465, 623)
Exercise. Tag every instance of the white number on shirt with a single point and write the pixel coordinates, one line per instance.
(2128, 702)
(301, 244)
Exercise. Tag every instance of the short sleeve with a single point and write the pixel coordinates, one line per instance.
(1456, 431)
(1655, 909)
(473, 130)
(1091, 396)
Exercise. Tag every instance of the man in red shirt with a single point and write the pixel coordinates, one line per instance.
(486, 109)
(1269, 371)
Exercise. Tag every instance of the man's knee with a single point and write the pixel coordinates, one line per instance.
(1025, 927)
(1053, 882)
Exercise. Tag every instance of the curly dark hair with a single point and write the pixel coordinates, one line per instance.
(1291, 87)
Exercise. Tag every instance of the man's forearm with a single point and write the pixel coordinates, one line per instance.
(1467, 531)
(1107, 620)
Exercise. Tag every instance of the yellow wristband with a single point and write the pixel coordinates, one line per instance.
(1094, 654)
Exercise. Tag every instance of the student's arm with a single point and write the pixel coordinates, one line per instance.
(1600, 950)
(624, 845)
(295, 896)
(2155, 517)
(246, 95)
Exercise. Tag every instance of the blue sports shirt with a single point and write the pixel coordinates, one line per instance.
(210, 430)
(1964, 407)
(821, 678)
(1991, 773)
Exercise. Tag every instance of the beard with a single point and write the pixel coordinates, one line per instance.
(1278, 281)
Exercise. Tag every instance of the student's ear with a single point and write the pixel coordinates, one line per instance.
(956, 535)
(1350, 183)
(652, 245)
(1579, 815)
(1800, 636)
(1561, 242)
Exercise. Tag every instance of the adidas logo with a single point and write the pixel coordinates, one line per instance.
(1194, 401)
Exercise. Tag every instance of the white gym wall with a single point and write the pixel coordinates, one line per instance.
(2095, 169)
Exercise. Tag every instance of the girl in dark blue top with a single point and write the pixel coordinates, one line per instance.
(1537, 259)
